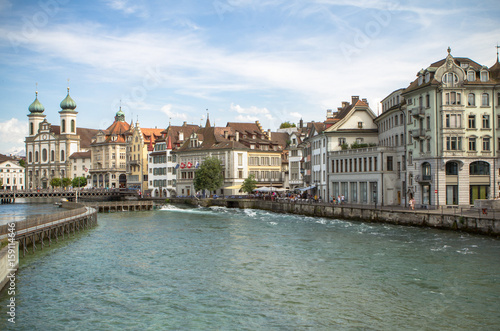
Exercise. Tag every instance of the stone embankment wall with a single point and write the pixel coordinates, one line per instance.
(9, 262)
(473, 222)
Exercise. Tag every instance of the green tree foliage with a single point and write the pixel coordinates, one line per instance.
(79, 182)
(209, 175)
(287, 124)
(22, 163)
(66, 182)
(55, 182)
(249, 184)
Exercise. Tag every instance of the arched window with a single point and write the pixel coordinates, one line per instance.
(36, 156)
(450, 79)
(63, 126)
(485, 99)
(452, 168)
(484, 76)
(62, 155)
(52, 156)
(426, 171)
(479, 168)
(32, 129)
(471, 99)
(73, 126)
(44, 155)
(30, 157)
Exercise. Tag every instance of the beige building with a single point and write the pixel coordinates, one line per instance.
(140, 141)
(11, 174)
(109, 152)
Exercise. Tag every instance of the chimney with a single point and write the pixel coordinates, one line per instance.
(185, 123)
(225, 134)
(354, 99)
(301, 123)
(365, 101)
(269, 134)
(181, 135)
(344, 104)
(329, 113)
(237, 136)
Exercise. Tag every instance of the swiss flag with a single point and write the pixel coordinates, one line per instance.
(189, 165)
(183, 165)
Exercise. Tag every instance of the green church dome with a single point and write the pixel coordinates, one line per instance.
(36, 106)
(68, 103)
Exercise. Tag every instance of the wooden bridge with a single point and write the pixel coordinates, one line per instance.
(72, 195)
(42, 229)
(115, 206)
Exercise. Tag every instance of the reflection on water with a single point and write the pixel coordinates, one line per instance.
(231, 269)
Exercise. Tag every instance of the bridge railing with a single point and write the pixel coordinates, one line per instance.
(37, 220)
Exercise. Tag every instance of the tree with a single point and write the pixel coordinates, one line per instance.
(55, 182)
(66, 182)
(22, 163)
(249, 184)
(79, 182)
(209, 175)
(287, 124)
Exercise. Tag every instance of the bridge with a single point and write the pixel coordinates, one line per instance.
(71, 195)
(42, 229)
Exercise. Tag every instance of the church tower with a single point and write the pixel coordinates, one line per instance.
(35, 116)
(68, 115)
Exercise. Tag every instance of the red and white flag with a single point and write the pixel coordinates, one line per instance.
(189, 165)
(183, 165)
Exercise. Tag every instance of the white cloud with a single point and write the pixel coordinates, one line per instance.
(12, 135)
(251, 112)
(167, 110)
(125, 7)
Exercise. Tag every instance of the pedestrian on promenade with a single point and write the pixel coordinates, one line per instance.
(342, 198)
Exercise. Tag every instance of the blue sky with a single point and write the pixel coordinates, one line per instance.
(271, 60)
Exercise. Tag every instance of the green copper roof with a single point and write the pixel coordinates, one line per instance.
(68, 103)
(36, 106)
(120, 115)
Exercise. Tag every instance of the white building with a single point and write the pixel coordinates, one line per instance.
(80, 164)
(11, 174)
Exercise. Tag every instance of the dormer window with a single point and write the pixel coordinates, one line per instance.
(360, 125)
(471, 75)
(427, 77)
(484, 76)
(420, 80)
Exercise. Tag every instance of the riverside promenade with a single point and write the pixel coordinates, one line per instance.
(485, 221)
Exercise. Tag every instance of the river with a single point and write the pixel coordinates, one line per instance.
(231, 269)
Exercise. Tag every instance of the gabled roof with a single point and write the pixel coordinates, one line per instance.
(4, 158)
(85, 134)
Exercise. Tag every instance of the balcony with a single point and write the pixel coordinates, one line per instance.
(418, 133)
(418, 111)
(133, 162)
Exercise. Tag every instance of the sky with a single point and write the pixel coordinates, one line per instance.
(168, 61)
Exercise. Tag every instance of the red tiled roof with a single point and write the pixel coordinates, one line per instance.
(80, 155)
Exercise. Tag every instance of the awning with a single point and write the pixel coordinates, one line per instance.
(234, 187)
(302, 189)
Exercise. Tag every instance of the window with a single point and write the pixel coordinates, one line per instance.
(36, 156)
(62, 155)
(360, 125)
(389, 163)
(471, 99)
(73, 126)
(32, 131)
(485, 99)
(428, 122)
(453, 121)
(44, 155)
(472, 121)
(426, 171)
(484, 76)
(471, 75)
(453, 143)
(472, 144)
(479, 168)
(486, 144)
(486, 121)
(450, 79)
(427, 101)
(453, 98)
(452, 168)
(30, 157)
(341, 141)
(63, 125)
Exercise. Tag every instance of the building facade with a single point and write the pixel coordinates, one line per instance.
(453, 123)
(48, 147)
(11, 174)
